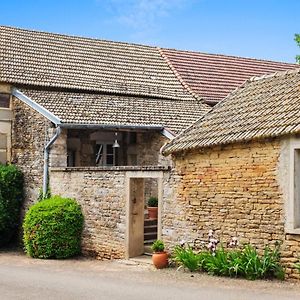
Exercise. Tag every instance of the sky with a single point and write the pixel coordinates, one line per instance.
(251, 28)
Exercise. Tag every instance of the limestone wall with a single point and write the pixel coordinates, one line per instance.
(234, 190)
(102, 197)
(148, 153)
(148, 146)
(29, 135)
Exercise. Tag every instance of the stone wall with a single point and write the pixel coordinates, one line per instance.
(233, 190)
(148, 150)
(101, 194)
(29, 135)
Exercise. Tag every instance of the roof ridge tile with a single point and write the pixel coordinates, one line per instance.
(276, 74)
(184, 84)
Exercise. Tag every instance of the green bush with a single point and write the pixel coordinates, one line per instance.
(245, 263)
(152, 202)
(53, 228)
(11, 196)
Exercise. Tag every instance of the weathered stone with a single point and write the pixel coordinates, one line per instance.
(238, 195)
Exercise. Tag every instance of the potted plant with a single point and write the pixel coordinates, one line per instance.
(152, 207)
(160, 257)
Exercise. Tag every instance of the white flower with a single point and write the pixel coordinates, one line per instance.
(214, 241)
(182, 242)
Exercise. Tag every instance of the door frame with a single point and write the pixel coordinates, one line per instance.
(142, 174)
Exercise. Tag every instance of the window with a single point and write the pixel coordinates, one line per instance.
(4, 100)
(106, 155)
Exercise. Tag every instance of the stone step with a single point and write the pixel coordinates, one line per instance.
(149, 242)
(148, 222)
(148, 250)
(150, 236)
(150, 228)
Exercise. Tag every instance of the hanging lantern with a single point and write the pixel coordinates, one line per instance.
(116, 144)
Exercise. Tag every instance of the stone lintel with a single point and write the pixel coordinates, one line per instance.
(5, 88)
(112, 169)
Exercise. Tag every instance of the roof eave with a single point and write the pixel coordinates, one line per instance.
(37, 107)
(58, 122)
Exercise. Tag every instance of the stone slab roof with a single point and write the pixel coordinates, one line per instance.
(212, 77)
(263, 107)
(53, 60)
(116, 110)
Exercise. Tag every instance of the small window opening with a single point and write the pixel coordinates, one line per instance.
(4, 100)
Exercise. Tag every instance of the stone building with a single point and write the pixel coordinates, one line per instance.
(91, 116)
(237, 169)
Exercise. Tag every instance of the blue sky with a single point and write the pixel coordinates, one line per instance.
(252, 28)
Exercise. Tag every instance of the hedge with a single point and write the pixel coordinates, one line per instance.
(11, 197)
(53, 228)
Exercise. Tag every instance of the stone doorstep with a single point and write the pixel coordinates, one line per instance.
(147, 249)
(142, 259)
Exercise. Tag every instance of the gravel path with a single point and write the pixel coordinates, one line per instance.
(26, 278)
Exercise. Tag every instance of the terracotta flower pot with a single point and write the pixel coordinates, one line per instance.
(152, 212)
(160, 259)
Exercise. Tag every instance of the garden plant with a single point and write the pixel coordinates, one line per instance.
(244, 262)
(53, 228)
(11, 197)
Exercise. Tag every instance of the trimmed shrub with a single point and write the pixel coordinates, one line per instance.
(53, 228)
(11, 197)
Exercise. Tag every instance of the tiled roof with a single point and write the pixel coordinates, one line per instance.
(212, 76)
(53, 60)
(266, 106)
(114, 110)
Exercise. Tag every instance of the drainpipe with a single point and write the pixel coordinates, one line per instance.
(46, 159)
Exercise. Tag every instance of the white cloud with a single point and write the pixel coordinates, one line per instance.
(143, 17)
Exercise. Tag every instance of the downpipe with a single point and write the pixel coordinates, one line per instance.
(46, 159)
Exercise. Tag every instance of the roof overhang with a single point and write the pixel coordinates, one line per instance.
(58, 122)
(37, 107)
(110, 126)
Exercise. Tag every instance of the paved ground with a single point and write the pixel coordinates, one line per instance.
(25, 278)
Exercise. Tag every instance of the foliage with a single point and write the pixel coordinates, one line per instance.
(297, 40)
(158, 246)
(41, 194)
(245, 263)
(152, 202)
(187, 258)
(11, 196)
(297, 265)
(267, 266)
(52, 228)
